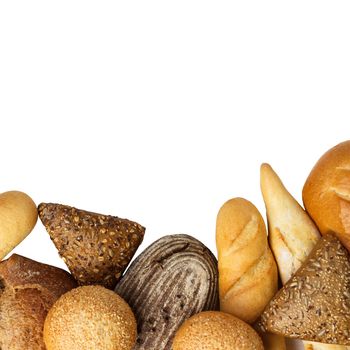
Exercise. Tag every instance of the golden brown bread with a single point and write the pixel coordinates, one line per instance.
(214, 330)
(90, 317)
(18, 216)
(28, 289)
(292, 234)
(326, 193)
(247, 270)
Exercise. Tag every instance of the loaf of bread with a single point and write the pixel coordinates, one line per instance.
(326, 192)
(292, 233)
(173, 279)
(90, 318)
(247, 270)
(18, 216)
(28, 289)
(214, 330)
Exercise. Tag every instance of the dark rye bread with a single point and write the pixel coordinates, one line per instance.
(173, 279)
(96, 248)
(314, 304)
(28, 289)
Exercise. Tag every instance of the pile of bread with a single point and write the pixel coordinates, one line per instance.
(176, 294)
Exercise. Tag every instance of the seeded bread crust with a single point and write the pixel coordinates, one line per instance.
(28, 289)
(96, 248)
(90, 318)
(314, 305)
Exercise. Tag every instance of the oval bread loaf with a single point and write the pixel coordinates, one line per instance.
(170, 281)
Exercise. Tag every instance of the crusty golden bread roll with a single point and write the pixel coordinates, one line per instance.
(326, 192)
(18, 216)
(28, 289)
(90, 317)
(214, 330)
(247, 270)
(292, 234)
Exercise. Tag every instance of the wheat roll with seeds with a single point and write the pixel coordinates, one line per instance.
(96, 248)
(213, 330)
(292, 233)
(90, 317)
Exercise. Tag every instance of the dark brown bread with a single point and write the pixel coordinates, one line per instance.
(96, 248)
(314, 304)
(28, 289)
(173, 279)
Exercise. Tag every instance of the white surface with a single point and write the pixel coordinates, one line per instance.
(161, 111)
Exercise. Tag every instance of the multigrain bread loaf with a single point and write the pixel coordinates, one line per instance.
(173, 279)
(90, 317)
(96, 248)
(314, 304)
(18, 216)
(28, 289)
(326, 193)
(292, 233)
(213, 330)
(247, 270)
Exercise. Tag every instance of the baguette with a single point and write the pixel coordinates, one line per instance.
(292, 233)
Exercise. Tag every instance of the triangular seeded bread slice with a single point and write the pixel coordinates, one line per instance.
(96, 248)
(314, 304)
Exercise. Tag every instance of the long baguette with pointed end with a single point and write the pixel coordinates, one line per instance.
(173, 279)
(96, 248)
(292, 233)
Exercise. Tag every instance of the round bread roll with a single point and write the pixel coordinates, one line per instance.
(214, 330)
(326, 193)
(18, 216)
(90, 317)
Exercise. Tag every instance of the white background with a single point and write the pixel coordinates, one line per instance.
(161, 111)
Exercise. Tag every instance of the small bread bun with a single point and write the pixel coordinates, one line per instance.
(90, 317)
(214, 330)
(326, 192)
(18, 216)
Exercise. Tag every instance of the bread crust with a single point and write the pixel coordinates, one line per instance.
(326, 193)
(247, 270)
(28, 289)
